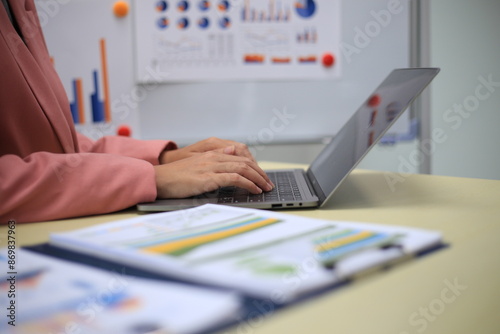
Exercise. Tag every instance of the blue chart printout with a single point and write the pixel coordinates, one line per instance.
(205, 40)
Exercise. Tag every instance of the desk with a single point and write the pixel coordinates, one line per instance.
(454, 290)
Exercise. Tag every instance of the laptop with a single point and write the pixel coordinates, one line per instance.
(297, 188)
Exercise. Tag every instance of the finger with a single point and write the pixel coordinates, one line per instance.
(236, 180)
(229, 150)
(242, 150)
(213, 144)
(249, 171)
(222, 145)
(262, 173)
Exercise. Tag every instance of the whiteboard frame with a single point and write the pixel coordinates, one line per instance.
(420, 57)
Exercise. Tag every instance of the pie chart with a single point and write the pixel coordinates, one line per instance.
(223, 5)
(162, 22)
(183, 23)
(203, 23)
(183, 6)
(224, 22)
(161, 6)
(305, 8)
(204, 5)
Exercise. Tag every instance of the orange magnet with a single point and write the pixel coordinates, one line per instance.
(328, 60)
(120, 8)
(124, 130)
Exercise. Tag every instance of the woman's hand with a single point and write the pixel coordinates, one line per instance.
(210, 144)
(203, 171)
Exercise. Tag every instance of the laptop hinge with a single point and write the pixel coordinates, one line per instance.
(314, 187)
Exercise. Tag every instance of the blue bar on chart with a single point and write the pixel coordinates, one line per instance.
(74, 105)
(95, 101)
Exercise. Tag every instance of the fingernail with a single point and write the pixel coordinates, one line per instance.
(270, 186)
(229, 150)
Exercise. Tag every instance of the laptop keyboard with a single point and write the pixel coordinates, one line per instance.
(286, 189)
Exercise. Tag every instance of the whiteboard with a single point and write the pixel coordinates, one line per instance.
(221, 40)
(375, 40)
(74, 31)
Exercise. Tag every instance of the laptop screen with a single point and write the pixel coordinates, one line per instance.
(366, 127)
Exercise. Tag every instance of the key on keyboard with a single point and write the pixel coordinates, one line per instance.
(286, 189)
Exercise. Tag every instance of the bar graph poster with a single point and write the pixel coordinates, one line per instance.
(91, 49)
(206, 40)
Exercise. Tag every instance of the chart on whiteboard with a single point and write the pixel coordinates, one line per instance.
(207, 40)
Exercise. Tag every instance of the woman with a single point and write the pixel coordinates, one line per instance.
(48, 171)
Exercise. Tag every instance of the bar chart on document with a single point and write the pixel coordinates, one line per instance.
(194, 40)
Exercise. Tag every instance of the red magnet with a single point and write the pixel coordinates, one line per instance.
(124, 130)
(328, 60)
(374, 101)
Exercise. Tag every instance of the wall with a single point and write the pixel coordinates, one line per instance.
(465, 109)
(465, 44)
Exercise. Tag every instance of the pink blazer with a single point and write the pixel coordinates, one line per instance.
(47, 170)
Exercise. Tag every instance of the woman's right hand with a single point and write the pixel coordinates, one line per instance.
(209, 171)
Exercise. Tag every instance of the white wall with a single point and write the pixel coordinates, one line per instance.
(465, 44)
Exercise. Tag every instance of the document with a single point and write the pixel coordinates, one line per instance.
(259, 253)
(43, 294)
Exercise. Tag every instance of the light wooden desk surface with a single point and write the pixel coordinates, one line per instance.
(454, 290)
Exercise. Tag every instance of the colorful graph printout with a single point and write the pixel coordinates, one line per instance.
(237, 40)
(55, 295)
(254, 251)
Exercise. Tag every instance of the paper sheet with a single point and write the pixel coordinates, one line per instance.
(55, 296)
(257, 252)
(242, 40)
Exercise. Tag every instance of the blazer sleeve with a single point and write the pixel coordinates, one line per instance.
(148, 150)
(48, 186)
